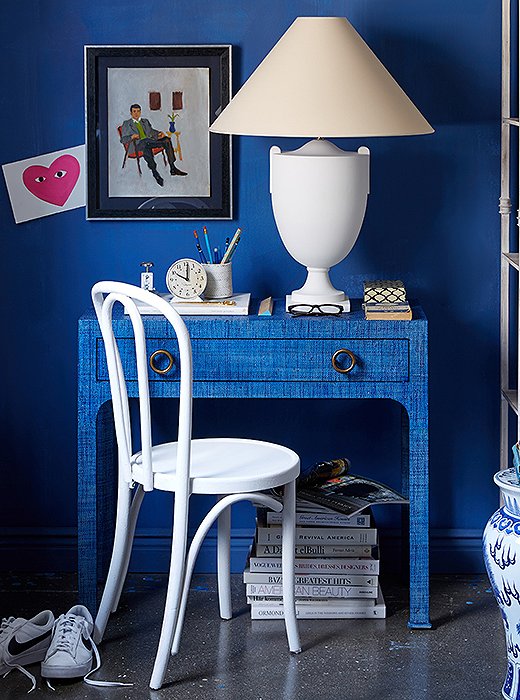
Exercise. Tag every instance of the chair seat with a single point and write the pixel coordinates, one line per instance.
(223, 465)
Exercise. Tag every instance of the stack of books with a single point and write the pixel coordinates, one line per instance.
(386, 300)
(336, 566)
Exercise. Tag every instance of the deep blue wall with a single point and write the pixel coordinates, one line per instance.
(432, 221)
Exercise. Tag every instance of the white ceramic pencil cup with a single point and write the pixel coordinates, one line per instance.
(220, 281)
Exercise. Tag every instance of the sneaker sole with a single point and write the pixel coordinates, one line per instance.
(65, 671)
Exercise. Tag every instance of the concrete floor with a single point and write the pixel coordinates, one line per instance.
(462, 657)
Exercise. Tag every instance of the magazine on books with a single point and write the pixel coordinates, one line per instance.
(322, 471)
(350, 494)
(331, 484)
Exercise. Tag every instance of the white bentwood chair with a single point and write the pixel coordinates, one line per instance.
(232, 469)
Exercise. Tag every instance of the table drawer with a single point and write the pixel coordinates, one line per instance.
(264, 359)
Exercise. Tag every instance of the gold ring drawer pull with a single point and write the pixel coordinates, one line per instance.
(343, 370)
(168, 367)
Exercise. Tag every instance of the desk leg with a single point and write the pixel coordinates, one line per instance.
(96, 499)
(415, 483)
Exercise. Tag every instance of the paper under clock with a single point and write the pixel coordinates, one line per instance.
(186, 279)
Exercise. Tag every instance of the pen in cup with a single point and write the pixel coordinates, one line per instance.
(231, 248)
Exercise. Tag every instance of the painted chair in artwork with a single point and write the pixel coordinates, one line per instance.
(231, 469)
(133, 153)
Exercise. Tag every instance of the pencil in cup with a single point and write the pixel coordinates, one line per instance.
(202, 257)
(208, 243)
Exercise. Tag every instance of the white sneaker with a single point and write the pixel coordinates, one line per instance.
(24, 642)
(71, 650)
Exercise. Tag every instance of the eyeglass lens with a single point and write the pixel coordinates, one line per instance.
(315, 309)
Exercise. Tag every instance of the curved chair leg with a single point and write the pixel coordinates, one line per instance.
(288, 539)
(117, 561)
(176, 579)
(224, 564)
(220, 507)
(132, 522)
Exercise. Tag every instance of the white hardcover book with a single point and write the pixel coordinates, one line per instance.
(312, 579)
(321, 519)
(317, 550)
(320, 535)
(274, 590)
(324, 609)
(235, 305)
(273, 565)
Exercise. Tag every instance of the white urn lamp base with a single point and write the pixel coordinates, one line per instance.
(318, 290)
(319, 196)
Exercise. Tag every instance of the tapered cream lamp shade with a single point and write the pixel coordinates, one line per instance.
(320, 81)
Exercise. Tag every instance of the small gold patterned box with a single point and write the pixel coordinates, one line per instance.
(384, 292)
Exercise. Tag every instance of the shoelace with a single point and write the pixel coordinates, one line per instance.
(5, 629)
(68, 628)
(66, 631)
(25, 673)
(5, 626)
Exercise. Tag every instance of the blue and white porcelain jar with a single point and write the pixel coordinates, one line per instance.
(501, 545)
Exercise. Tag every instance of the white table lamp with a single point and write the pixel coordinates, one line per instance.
(320, 80)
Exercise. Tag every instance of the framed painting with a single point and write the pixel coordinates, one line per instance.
(148, 149)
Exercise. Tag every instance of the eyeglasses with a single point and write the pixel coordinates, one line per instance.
(315, 309)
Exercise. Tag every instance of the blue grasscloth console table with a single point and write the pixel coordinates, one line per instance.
(261, 357)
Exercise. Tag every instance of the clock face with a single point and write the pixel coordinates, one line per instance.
(186, 279)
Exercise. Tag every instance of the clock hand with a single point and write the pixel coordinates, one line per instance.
(181, 276)
(187, 272)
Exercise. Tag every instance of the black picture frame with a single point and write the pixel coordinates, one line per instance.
(101, 204)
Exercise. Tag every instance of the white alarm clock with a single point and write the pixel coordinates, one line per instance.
(186, 279)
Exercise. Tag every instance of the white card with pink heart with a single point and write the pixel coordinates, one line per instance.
(47, 184)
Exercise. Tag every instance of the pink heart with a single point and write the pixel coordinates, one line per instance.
(55, 183)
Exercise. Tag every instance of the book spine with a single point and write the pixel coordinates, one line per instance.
(312, 579)
(318, 603)
(387, 306)
(389, 316)
(316, 566)
(310, 591)
(322, 519)
(320, 535)
(309, 613)
(316, 550)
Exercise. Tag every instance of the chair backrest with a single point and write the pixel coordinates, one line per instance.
(120, 132)
(104, 296)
